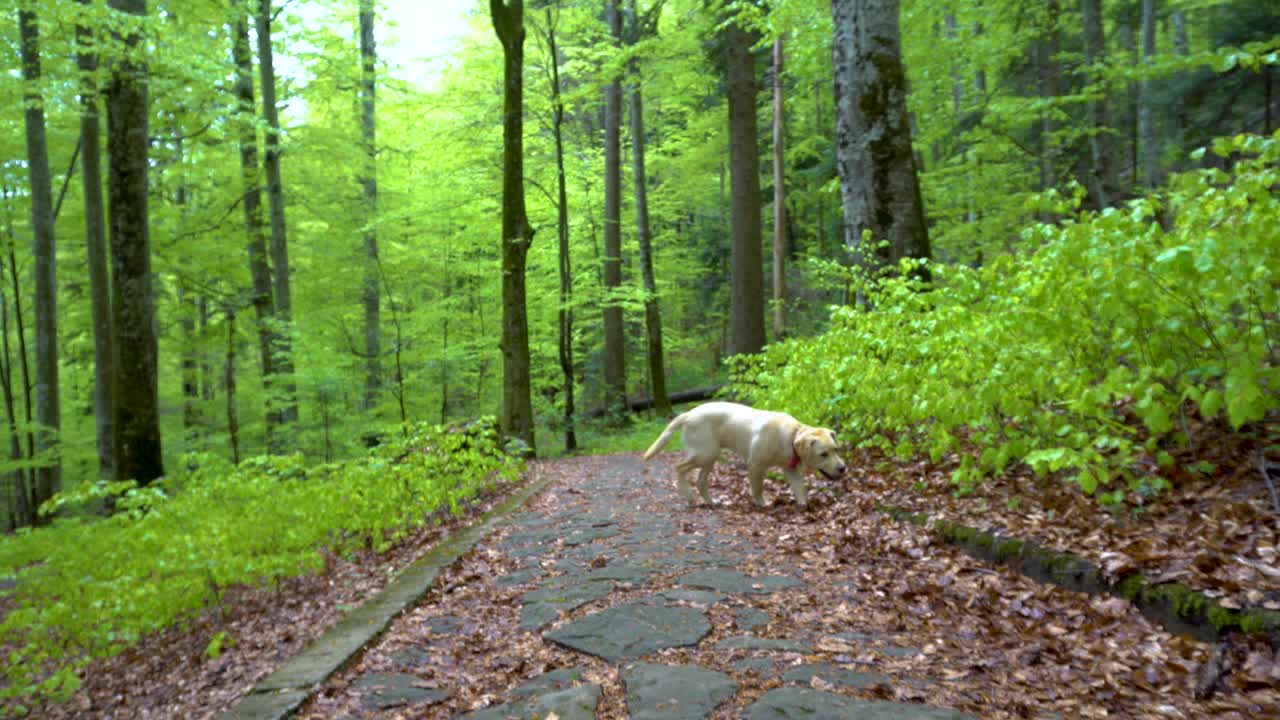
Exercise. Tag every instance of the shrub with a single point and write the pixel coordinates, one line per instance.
(1078, 356)
(89, 587)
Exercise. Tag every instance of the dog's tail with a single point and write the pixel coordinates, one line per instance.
(665, 437)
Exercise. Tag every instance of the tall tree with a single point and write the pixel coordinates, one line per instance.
(259, 269)
(96, 245)
(137, 408)
(1147, 130)
(878, 183)
(779, 197)
(565, 340)
(517, 235)
(275, 200)
(746, 298)
(652, 314)
(1047, 48)
(369, 180)
(48, 477)
(615, 368)
(1102, 178)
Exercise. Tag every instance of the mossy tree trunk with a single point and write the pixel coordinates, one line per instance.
(48, 474)
(517, 235)
(746, 299)
(652, 315)
(372, 295)
(878, 183)
(137, 409)
(615, 367)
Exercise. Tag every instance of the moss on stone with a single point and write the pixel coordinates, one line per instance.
(1130, 587)
(1252, 622)
(1223, 619)
(1006, 549)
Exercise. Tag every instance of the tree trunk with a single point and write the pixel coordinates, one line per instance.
(48, 476)
(96, 244)
(652, 315)
(368, 136)
(23, 355)
(517, 406)
(287, 392)
(22, 512)
(779, 197)
(562, 225)
(1048, 47)
(259, 269)
(746, 300)
(615, 369)
(1102, 179)
(878, 183)
(1147, 130)
(137, 419)
(229, 380)
(1129, 44)
(190, 370)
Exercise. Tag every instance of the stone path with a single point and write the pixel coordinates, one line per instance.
(608, 597)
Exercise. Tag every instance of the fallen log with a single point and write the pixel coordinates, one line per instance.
(697, 394)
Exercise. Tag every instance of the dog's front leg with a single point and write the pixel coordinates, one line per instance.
(798, 487)
(756, 476)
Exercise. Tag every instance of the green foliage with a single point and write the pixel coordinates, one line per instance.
(1076, 358)
(88, 587)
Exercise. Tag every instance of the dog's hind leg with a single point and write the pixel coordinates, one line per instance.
(756, 476)
(703, 488)
(682, 483)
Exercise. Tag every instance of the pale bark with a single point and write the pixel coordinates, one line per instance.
(96, 245)
(137, 441)
(878, 184)
(372, 297)
(256, 248)
(615, 367)
(48, 477)
(779, 197)
(746, 299)
(652, 314)
(517, 235)
(1147, 129)
(287, 393)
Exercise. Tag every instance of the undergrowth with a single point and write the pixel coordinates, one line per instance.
(88, 587)
(1082, 356)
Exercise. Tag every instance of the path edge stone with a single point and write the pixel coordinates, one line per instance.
(280, 694)
(1178, 608)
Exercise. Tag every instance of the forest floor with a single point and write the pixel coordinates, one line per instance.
(758, 613)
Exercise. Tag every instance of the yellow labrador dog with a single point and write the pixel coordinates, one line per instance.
(763, 439)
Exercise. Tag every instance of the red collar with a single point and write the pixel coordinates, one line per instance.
(795, 459)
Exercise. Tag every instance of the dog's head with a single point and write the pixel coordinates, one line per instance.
(816, 447)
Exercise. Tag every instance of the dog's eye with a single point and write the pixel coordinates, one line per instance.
(825, 454)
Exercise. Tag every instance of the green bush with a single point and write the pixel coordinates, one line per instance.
(89, 587)
(1078, 356)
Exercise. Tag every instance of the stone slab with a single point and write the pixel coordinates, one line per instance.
(798, 702)
(576, 703)
(380, 691)
(734, 582)
(543, 606)
(631, 631)
(750, 642)
(674, 692)
(834, 674)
